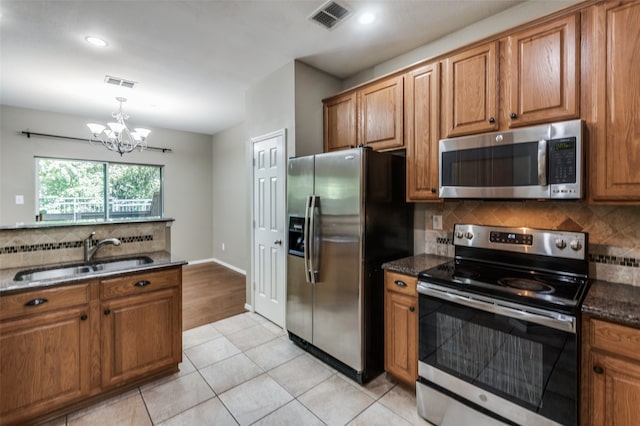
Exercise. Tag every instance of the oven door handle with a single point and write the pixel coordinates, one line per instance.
(551, 319)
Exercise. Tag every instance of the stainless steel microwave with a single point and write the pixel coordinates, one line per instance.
(539, 162)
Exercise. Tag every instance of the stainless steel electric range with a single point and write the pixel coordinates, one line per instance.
(498, 328)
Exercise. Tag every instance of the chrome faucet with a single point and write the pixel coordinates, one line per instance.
(89, 251)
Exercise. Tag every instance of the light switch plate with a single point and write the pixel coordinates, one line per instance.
(19, 199)
(437, 222)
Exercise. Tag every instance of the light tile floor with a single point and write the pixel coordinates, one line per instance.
(245, 370)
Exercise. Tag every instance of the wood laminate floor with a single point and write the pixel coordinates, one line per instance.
(210, 292)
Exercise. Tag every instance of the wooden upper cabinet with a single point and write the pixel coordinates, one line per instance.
(422, 121)
(610, 74)
(380, 114)
(542, 73)
(470, 98)
(340, 122)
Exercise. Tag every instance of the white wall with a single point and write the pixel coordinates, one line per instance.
(187, 171)
(230, 197)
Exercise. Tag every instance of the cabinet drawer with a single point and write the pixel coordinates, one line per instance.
(401, 283)
(138, 283)
(37, 301)
(616, 338)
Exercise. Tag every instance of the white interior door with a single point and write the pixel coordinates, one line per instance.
(269, 281)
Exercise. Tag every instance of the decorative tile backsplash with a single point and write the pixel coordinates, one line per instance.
(614, 231)
(49, 245)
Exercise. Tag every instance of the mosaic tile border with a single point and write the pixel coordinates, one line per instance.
(67, 245)
(631, 262)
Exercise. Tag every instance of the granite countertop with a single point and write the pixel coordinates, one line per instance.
(613, 302)
(413, 265)
(161, 259)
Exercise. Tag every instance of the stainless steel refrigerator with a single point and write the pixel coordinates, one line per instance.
(347, 215)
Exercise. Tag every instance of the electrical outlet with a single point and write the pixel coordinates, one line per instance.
(437, 222)
(222, 246)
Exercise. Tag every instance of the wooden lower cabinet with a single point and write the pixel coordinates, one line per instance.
(610, 374)
(401, 327)
(140, 334)
(44, 363)
(64, 345)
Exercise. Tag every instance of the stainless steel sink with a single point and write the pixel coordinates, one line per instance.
(67, 271)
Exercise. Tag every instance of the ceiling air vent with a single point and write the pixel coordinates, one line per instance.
(330, 14)
(116, 81)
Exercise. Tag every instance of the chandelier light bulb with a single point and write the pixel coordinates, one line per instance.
(117, 137)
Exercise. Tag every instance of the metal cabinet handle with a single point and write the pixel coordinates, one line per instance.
(400, 283)
(278, 242)
(107, 311)
(433, 190)
(513, 116)
(36, 302)
(84, 317)
(492, 120)
(412, 308)
(142, 283)
(598, 370)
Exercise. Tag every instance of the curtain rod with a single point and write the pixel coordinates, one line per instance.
(46, 135)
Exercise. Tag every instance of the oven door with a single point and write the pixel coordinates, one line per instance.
(517, 364)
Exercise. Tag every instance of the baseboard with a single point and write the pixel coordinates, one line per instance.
(248, 307)
(219, 262)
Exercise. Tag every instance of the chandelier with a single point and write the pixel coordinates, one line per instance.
(117, 137)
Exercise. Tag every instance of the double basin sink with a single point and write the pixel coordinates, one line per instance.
(75, 270)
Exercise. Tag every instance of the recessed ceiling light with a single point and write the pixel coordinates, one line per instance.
(366, 18)
(96, 41)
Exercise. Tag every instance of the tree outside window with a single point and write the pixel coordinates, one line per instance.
(77, 190)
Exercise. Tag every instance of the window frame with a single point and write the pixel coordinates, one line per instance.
(105, 190)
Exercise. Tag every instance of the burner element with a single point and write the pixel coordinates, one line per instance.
(526, 284)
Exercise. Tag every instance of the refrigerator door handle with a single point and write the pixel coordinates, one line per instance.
(307, 248)
(313, 250)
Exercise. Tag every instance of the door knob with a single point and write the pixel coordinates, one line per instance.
(278, 242)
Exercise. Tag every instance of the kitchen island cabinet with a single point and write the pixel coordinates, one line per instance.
(65, 346)
(44, 353)
(401, 327)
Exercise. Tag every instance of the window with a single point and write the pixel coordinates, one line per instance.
(76, 190)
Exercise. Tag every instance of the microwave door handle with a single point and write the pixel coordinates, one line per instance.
(542, 162)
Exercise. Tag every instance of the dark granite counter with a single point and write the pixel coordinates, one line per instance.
(415, 264)
(613, 302)
(160, 259)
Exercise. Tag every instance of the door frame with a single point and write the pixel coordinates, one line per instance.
(252, 220)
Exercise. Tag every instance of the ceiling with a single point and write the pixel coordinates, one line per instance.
(194, 60)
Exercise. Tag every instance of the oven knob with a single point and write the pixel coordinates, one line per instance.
(575, 245)
(459, 234)
(469, 235)
(560, 243)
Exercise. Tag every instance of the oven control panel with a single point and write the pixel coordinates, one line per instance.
(546, 242)
(510, 238)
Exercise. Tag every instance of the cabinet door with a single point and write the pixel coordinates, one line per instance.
(401, 323)
(140, 335)
(542, 74)
(470, 98)
(614, 135)
(340, 122)
(615, 391)
(422, 120)
(380, 110)
(44, 363)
